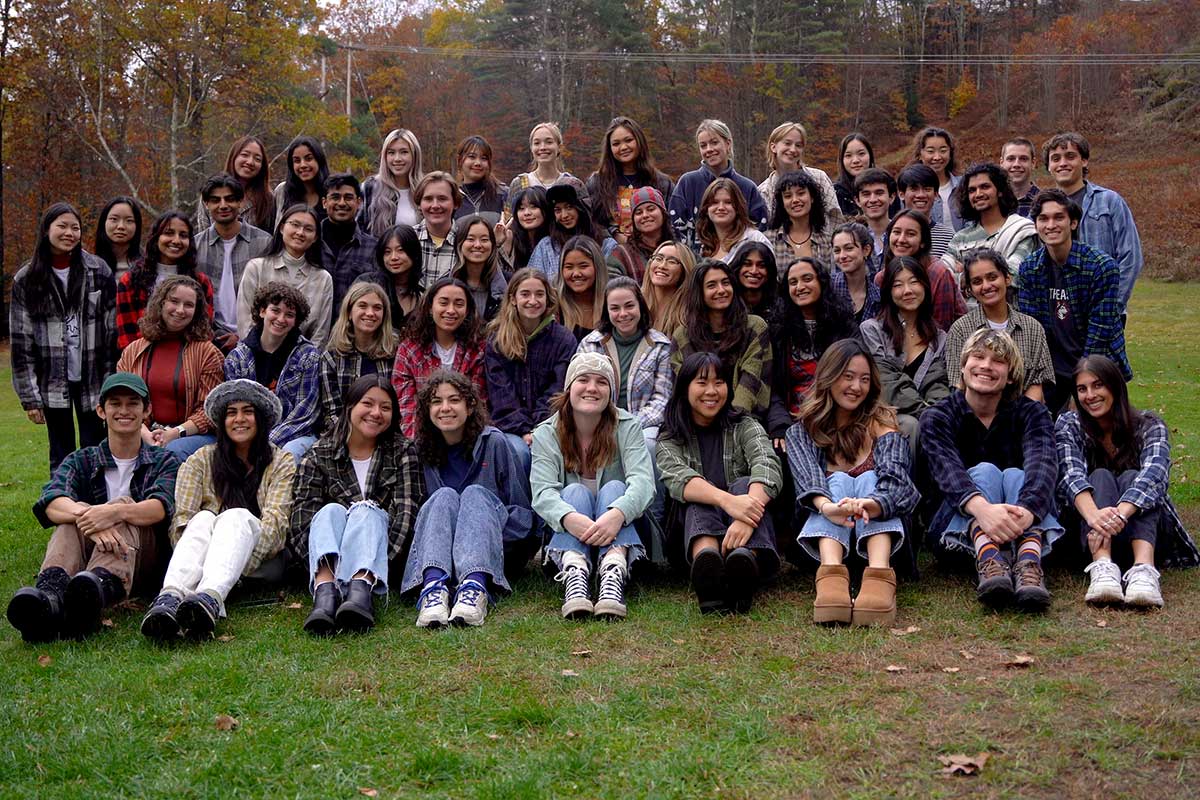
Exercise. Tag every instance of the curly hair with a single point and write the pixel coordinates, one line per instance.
(431, 444)
(1006, 199)
(151, 324)
(274, 293)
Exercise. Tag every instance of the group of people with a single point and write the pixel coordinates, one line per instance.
(429, 377)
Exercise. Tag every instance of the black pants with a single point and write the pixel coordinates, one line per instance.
(1107, 489)
(60, 427)
(705, 520)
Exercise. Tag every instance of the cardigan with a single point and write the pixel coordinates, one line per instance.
(298, 387)
(747, 452)
(894, 489)
(751, 372)
(908, 395)
(519, 392)
(311, 281)
(415, 361)
(651, 376)
(203, 368)
(132, 300)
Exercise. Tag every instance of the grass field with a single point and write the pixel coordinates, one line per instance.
(666, 705)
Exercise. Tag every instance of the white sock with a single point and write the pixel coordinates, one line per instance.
(573, 558)
(615, 556)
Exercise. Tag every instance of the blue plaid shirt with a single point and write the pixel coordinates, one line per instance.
(298, 387)
(80, 477)
(872, 305)
(894, 491)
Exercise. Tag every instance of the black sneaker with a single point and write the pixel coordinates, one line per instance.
(995, 582)
(198, 615)
(708, 580)
(741, 579)
(37, 614)
(85, 602)
(161, 622)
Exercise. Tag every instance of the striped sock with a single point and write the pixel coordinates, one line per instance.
(1029, 547)
(985, 548)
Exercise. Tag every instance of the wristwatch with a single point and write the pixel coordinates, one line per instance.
(182, 431)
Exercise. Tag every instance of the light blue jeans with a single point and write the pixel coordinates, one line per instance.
(299, 446)
(184, 446)
(817, 525)
(520, 450)
(459, 534)
(996, 486)
(349, 540)
(591, 505)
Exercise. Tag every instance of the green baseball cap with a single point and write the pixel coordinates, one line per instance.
(125, 380)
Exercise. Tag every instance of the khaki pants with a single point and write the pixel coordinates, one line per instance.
(73, 552)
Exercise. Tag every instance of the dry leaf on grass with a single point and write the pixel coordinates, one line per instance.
(492, 736)
(571, 734)
(225, 637)
(967, 654)
(905, 631)
(570, 673)
(106, 622)
(1020, 662)
(368, 791)
(950, 670)
(895, 668)
(45, 660)
(224, 722)
(679, 641)
(1101, 623)
(581, 653)
(294, 605)
(959, 764)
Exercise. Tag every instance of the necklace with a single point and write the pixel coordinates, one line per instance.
(476, 199)
(804, 241)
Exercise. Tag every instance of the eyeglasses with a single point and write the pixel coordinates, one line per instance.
(671, 261)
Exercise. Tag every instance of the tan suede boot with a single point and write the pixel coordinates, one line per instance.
(876, 601)
(832, 604)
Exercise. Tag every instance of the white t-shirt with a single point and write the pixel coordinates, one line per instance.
(362, 466)
(446, 355)
(72, 338)
(117, 478)
(945, 192)
(998, 326)
(226, 299)
(406, 212)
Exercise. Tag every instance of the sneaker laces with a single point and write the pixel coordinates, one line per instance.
(575, 580)
(1029, 573)
(612, 584)
(1142, 573)
(434, 594)
(993, 568)
(1104, 571)
(468, 593)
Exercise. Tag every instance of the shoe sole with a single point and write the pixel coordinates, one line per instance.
(577, 609)
(1105, 600)
(321, 625)
(83, 595)
(1033, 602)
(609, 609)
(160, 626)
(33, 618)
(194, 620)
(707, 577)
(832, 615)
(995, 593)
(432, 624)
(464, 622)
(741, 581)
(1143, 603)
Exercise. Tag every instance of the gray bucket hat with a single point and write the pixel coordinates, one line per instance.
(243, 390)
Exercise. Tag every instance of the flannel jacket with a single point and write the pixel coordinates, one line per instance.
(684, 203)
(745, 449)
(203, 369)
(519, 392)
(436, 262)
(894, 491)
(651, 376)
(395, 482)
(131, 305)
(751, 373)
(251, 242)
(1174, 547)
(871, 305)
(1093, 284)
(357, 257)
(1015, 240)
(948, 301)
(80, 477)
(829, 198)
(1025, 201)
(195, 491)
(38, 344)
(821, 244)
(1108, 226)
(337, 372)
(298, 387)
(1026, 331)
(414, 363)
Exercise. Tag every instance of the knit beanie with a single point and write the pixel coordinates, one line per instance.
(243, 390)
(586, 363)
(647, 194)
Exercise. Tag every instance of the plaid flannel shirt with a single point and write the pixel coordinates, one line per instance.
(746, 452)
(894, 491)
(131, 305)
(1026, 331)
(751, 373)
(871, 305)
(395, 482)
(357, 257)
(436, 262)
(298, 387)
(821, 243)
(250, 242)
(80, 477)
(651, 378)
(195, 491)
(337, 372)
(38, 344)
(414, 363)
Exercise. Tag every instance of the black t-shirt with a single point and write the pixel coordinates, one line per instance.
(1066, 345)
(712, 455)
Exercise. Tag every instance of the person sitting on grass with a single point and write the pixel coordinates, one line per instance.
(850, 466)
(353, 507)
(109, 504)
(232, 501)
(476, 521)
(990, 451)
(1116, 462)
(719, 463)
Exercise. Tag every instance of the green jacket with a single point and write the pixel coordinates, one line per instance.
(747, 452)
(751, 373)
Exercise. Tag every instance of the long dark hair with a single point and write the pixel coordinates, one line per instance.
(294, 190)
(1127, 422)
(1006, 198)
(491, 187)
(889, 312)
(798, 179)
(770, 287)
(624, 282)
(678, 424)
(420, 327)
(236, 482)
(356, 392)
(834, 319)
(144, 272)
(845, 179)
(257, 190)
(524, 241)
(730, 343)
(104, 245)
(923, 253)
(608, 171)
(818, 411)
(586, 226)
(39, 279)
(406, 237)
(313, 254)
(431, 444)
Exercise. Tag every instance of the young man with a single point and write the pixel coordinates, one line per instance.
(992, 455)
(1106, 222)
(222, 250)
(1073, 289)
(349, 251)
(1017, 157)
(110, 505)
(918, 186)
(438, 197)
(874, 189)
(988, 206)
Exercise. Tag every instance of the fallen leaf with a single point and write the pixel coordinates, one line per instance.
(225, 722)
(1101, 623)
(106, 622)
(1020, 662)
(492, 736)
(225, 637)
(896, 668)
(950, 670)
(679, 641)
(294, 605)
(368, 791)
(571, 734)
(570, 673)
(967, 654)
(905, 631)
(581, 653)
(45, 660)
(959, 764)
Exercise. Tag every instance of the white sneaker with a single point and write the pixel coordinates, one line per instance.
(470, 604)
(610, 599)
(576, 603)
(1141, 587)
(1105, 586)
(433, 606)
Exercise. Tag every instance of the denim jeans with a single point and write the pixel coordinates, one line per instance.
(184, 446)
(996, 486)
(459, 534)
(592, 506)
(817, 525)
(350, 540)
(521, 451)
(212, 553)
(299, 446)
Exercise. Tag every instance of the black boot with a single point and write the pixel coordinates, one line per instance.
(357, 610)
(708, 576)
(741, 579)
(37, 611)
(87, 595)
(326, 599)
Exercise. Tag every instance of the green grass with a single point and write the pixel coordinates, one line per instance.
(668, 704)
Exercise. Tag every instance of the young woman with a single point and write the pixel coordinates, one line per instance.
(170, 250)
(850, 465)
(444, 333)
(482, 194)
(1116, 462)
(668, 273)
(363, 342)
(723, 223)
(934, 147)
(812, 317)
(526, 357)
(650, 231)
(247, 161)
(180, 364)
(479, 264)
(785, 153)
(398, 270)
(986, 279)
(353, 507)
(532, 218)
(799, 226)
(625, 166)
(757, 275)
(307, 170)
(909, 234)
(232, 501)
(62, 333)
(591, 480)
(718, 462)
(572, 218)
(908, 346)
(387, 195)
(582, 278)
(855, 155)
(641, 354)
(294, 257)
(853, 280)
(716, 321)
(546, 167)
(715, 143)
(119, 234)
(476, 520)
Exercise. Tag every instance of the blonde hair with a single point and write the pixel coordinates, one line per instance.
(716, 126)
(341, 338)
(508, 337)
(670, 315)
(382, 213)
(1002, 346)
(571, 313)
(778, 134)
(556, 132)
(433, 177)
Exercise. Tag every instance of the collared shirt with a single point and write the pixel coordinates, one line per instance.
(1108, 225)
(250, 242)
(819, 241)
(356, 257)
(1025, 201)
(80, 477)
(437, 262)
(1026, 331)
(313, 282)
(872, 303)
(751, 371)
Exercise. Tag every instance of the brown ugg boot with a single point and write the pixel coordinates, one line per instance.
(876, 601)
(832, 604)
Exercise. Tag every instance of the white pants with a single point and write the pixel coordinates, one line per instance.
(212, 553)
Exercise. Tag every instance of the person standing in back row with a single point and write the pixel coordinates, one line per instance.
(715, 142)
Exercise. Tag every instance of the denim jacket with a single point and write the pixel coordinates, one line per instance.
(1108, 226)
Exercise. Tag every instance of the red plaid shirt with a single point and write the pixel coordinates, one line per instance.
(132, 301)
(414, 363)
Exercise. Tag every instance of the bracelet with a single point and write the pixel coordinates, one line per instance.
(1123, 518)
